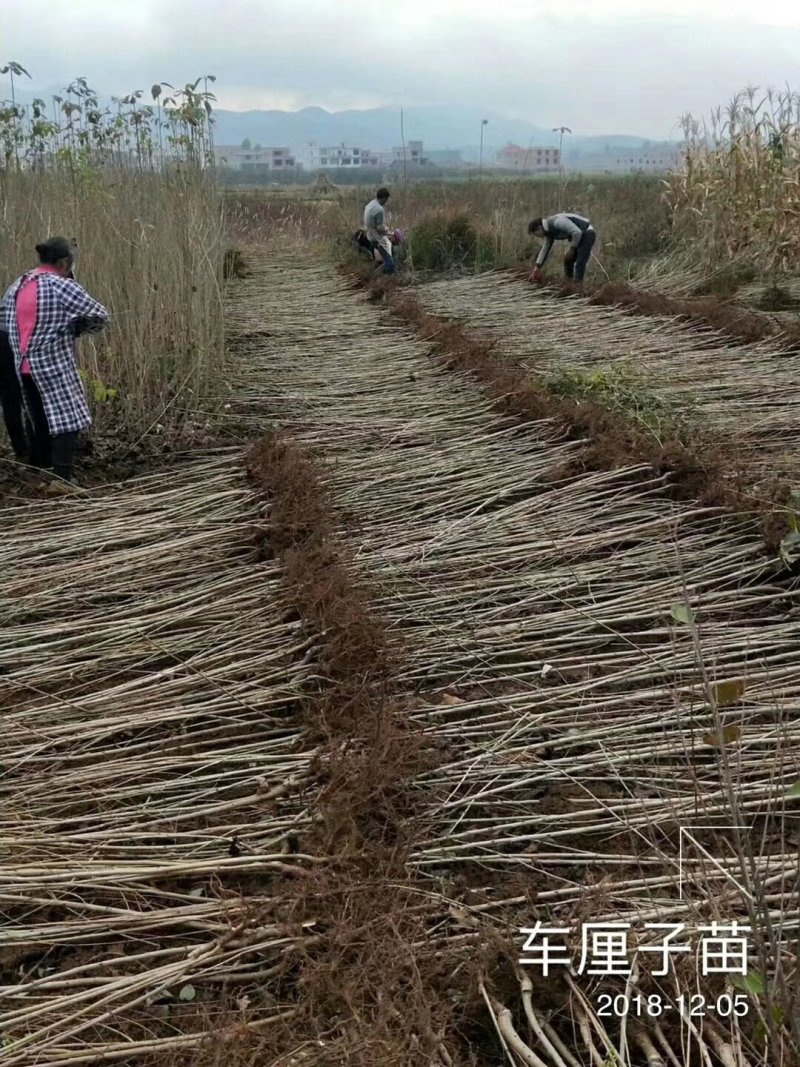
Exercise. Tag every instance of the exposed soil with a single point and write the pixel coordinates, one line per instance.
(365, 992)
(699, 467)
(104, 457)
(744, 325)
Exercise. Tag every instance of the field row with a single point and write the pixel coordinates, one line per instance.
(595, 665)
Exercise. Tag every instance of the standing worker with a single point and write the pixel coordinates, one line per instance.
(11, 397)
(43, 312)
(564, 227)
(377, 229)
(11, 402)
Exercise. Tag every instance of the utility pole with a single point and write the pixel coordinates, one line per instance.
(405, 154)
(484, 123)
(561, 130)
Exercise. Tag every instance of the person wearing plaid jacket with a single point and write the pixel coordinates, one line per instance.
(43, 312)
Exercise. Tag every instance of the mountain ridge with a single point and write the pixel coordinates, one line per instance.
(439, 127)
(436, 126)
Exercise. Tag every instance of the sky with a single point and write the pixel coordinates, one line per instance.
(607, 66)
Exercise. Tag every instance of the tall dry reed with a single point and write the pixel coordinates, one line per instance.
(737, 197)
(131, 185)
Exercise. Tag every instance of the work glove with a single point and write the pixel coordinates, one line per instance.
(536, 276)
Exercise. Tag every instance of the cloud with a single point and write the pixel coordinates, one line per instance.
(598, 67)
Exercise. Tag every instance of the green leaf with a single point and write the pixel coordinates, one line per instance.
(100, 393)
(794, 792)
(750, 983)
(187, 993)
(727, 693)
(682, 613)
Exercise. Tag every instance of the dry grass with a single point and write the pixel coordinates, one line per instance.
(737, 198)
(478, 684)
(709, 383)
(150, 247)
(129, 182)
(618, 424)
(152, 767)
(627, 212)
(740, 323)
(535, 600)
(363, 982)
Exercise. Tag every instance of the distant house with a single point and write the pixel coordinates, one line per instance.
(653, 162)
(332, 157)
(533, 160)
(247, 157)
(412, 154)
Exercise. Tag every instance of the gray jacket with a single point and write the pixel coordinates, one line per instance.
(375, 221)
(562, 227)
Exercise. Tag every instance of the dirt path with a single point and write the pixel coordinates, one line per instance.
(159, 788)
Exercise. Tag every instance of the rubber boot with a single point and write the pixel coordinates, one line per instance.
(63, 454)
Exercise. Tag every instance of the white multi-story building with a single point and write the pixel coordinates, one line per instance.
(254, 157)
(321, 157)
(412, 154)
(536, 159)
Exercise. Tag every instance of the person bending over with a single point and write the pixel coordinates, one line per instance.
(575, 229)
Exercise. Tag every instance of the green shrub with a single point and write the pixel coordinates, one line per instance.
(449, 242)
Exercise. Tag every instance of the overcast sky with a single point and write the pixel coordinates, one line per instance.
(598, 66)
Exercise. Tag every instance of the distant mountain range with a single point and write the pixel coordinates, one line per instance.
(438, 127)
(379, 128)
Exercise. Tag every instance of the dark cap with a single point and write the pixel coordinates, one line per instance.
(55, 250)
(382, 193)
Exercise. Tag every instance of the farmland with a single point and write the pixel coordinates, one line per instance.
(468, 607)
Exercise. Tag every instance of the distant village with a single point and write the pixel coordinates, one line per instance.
(280, 163)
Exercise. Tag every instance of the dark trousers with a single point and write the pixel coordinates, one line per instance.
(11, 399)
(46, 449)
(387, 259)
(576, 262)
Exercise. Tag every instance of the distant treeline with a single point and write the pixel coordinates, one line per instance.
(338, 175)
(263, 176)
